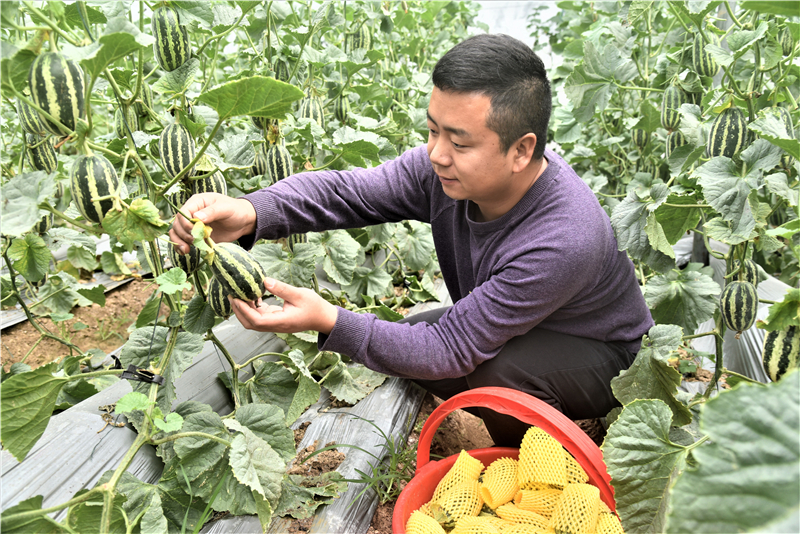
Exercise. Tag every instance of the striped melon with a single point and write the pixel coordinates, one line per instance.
(132, 118)
(787, 41)
(29, 119)
(210, 184)
(297, 238)
(780, 351)
(749, 273)
(177, 149)
(311, 108)
(674, 96)
(786, 159)
(188, 262)
(179, 198)
(147, 97)
(260, 166)
(57, 86)
(703, 62)
(640, 137)
(218, 299)
(728, 135)
(93, 177)
(647, 166)
(262, 123)
(239, 273)
(674, 140)
(44, 224)
(41, 154)
(738, 303)
(281, 71)
(171, 46)
(341, 108)
(279, 162)
(361, 38)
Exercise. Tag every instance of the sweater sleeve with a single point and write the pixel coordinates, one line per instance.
(327, 200)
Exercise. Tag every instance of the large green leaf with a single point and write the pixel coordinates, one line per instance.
(301, 496)
(199, 316)
(642, 462)
(416, 245)
(26, 403)
(651, 376)
(727, 192)
(747, 475)
(351, 384)
(675, 220)
(342, 255)
(30, 257)
(27, 524)
(59, 295)
(308, 392)
(173, 281)
(787, 8)
(258, 96)
(269, 423)
(684, 297)
(120, 38)
(86, 516)
(629, 219)
(372, 281)
(203, 460)
(272, 383)
(739, 40)
(21, 198)
(14, 67)
(784, 313)
(295, 268)
(355, 145)
(771, 127)
(181, 510)
(179, 80)
(146, 345)
(136, 223)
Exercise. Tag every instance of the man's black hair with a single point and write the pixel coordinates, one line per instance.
(511, 74)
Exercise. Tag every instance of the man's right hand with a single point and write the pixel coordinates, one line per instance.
(229, 218)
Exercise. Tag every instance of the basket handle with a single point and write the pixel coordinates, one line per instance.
(527, 409)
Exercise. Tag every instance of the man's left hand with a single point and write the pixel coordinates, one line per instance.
(302, 310)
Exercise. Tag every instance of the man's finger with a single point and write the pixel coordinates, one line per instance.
(280, 289)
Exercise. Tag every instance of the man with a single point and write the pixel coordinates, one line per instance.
(543, 300)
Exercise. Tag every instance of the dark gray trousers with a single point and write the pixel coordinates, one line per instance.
(570, 373)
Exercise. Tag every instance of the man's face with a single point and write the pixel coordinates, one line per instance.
(467, 155)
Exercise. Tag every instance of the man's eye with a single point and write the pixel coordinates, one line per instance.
(456, 145)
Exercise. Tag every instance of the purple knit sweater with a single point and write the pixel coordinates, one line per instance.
(551, 262)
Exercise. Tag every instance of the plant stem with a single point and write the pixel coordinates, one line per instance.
(180, 435)
(731, 15)
(35, 513)
(695, 336)
(234, 368)
(257, 357)
(79, 224)
(53, 26)
(32, 349)
(635, 88)
(109, 487)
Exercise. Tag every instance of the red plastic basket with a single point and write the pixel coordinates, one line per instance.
(510, 402)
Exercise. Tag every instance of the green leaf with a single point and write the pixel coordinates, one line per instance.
(149, 312)
(771, 127)
(295, 361)
(268, 422)
(199, 316)
(173, 281)
(237, 152)
(146, 345)
(308, 392)
(202, 459)
(727, 193)
(178, 81)
(301, 496)
(194, 10)
(26, 403)
(272, 383)
(375, 282)
(684, 297)
(355, 145)
(294, 268)
(783, 314)
(14, 67)
(342, 255)
(778, 183)
(638, 8)
(676, 221)
(72, 16)
(136, 223)
(750, 463)
(182, 511)
(30, 257)
(96, 294)
(642, 462)
(120, 38)
(629, 219)
(657, 238)
(422, 290)
(351, 384)
(724, 231)
(27, 524)
(416, 245)
(86, 516)
(112, 263)
(257, 96)
(741, 39)
(132, 401)
(255, 463)
(381, 310)
(76, 391)
(173, 423)
(59, 294)
(651, 376)
(787, 8)
(21, 198)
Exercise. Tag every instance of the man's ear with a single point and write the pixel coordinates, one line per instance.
(523, 151)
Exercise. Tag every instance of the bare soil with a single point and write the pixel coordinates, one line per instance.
(92, 327)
